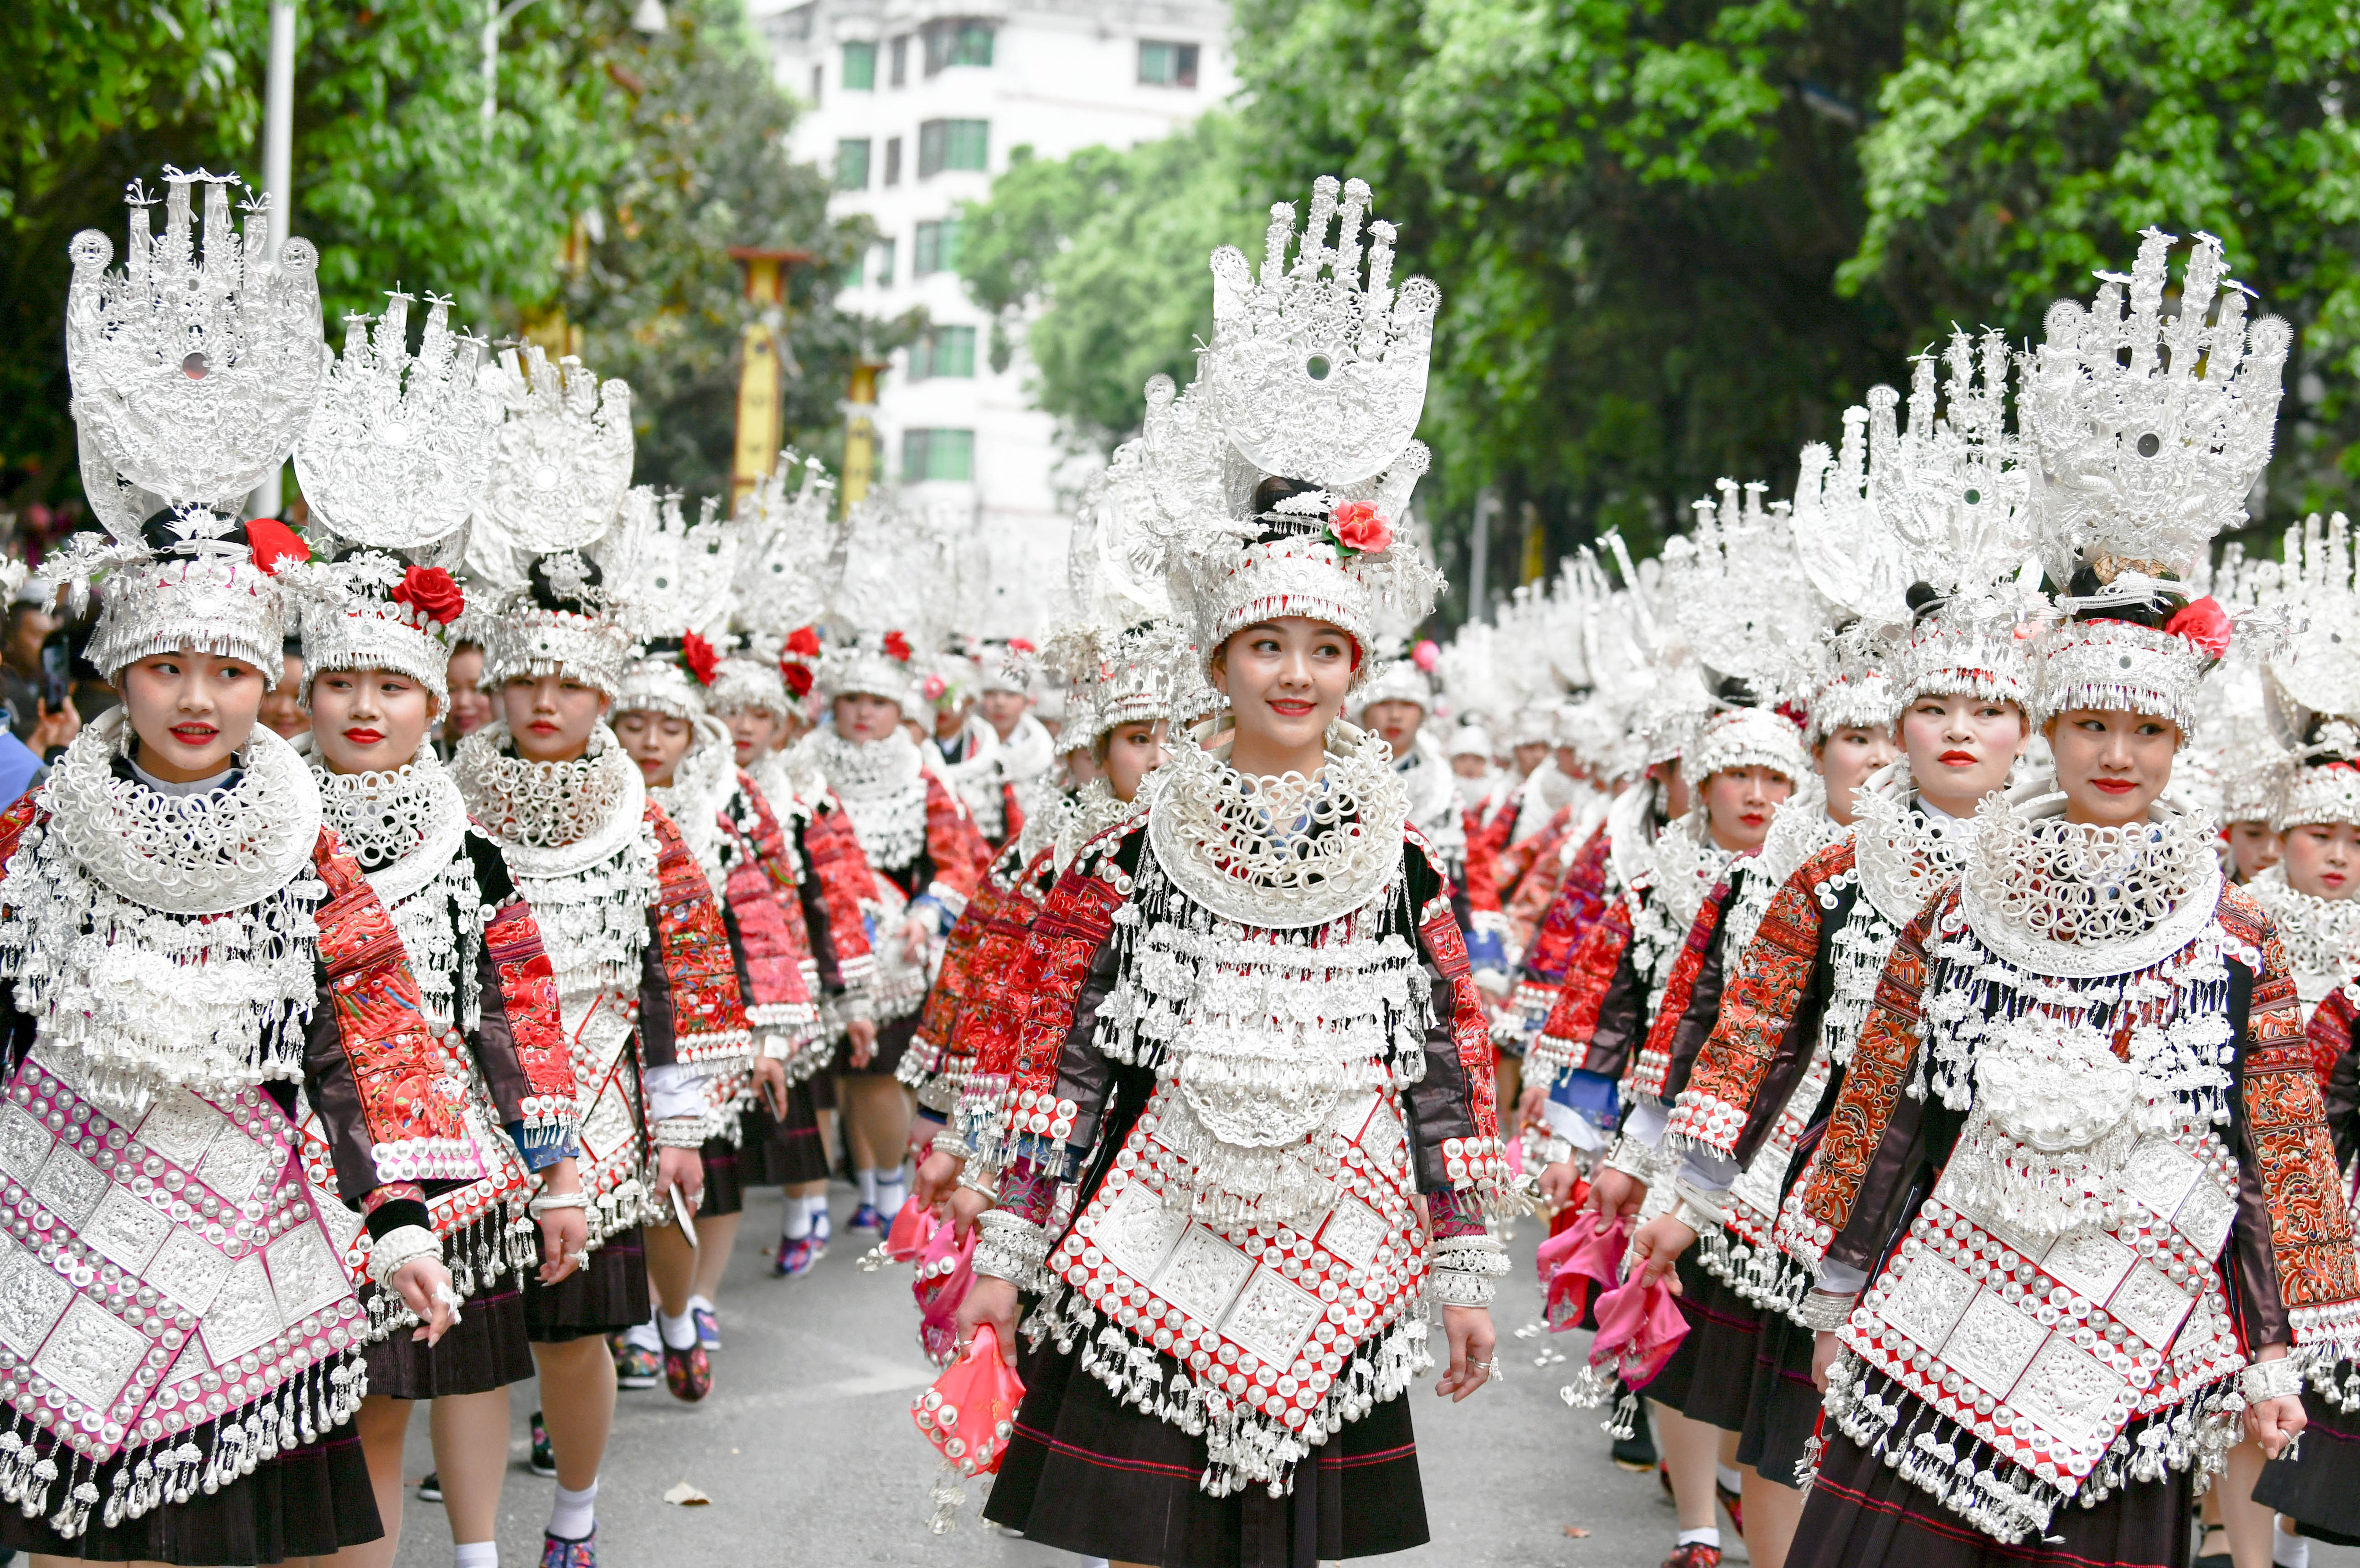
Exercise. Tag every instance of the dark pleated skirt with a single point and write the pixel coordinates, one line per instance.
(607, 1297)
(1088, 1475)
(772, 1153)
(309, 1502)
(724, 1184)
(1782, 1408)
(1711, 1375)
(489, 1349)
(1861, 1514)
(2320, 1489)
(893, 1037)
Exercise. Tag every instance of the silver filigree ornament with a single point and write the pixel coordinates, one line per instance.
(788, 563)
(2148, 426)
(400, 454)
(1951, 480)
(193, 370)
(2319, 673)
(562, 456)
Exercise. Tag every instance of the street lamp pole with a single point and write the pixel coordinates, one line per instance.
(278, 176)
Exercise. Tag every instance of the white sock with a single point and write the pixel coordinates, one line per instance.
(699, 1304)
(816, 1207)
(475, 1554)
(798, 1219)
(643, 1335)
(1731, 1481)
(869, 1188)
(575, 1514)
(2290, 1551)
(679, 1333)
(891, 1193)
(1705, 1537)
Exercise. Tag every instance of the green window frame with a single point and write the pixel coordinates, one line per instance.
(953, 145)
(943, 351)
(937, 454)
(860, 66)
(936, 248)
(852, 164)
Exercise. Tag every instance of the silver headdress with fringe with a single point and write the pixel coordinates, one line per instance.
(681, 576)
(888, 616)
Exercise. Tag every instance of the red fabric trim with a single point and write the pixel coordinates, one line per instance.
(1470, 1028)
(961, 857)
(846, 882)
(1652, 1066)
(692, 945)
(528, 990)
(1574, 1017)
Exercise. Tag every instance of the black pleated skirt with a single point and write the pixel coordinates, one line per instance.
(772, 1153)
(1711, 1375)
(311, 1501)
(1860, 1514)
(1088, 1475)
(607, 1297)
(2320, 1488)
(725, 1186)
(1782, 1408)
(489, 1349)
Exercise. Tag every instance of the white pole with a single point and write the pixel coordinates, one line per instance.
(278, 176)
(1479, 566)
(491, 109)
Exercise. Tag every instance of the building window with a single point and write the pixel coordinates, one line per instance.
(900, 72)
(892, 160)
(852, 277)
(943, 351)
(937, 454)
(860, 68)
(852, 164)
(956, 40)
(884, 271)
(938, 248)
(953, 144)
(1168, 65)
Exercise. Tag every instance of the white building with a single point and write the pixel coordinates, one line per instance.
(915, 105)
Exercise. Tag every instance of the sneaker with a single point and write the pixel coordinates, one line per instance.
(796, 1255)
(558, 1552)
(866, 1218)
(545, 1458)
(708, 1327)
(688, 1373)
(1636, 1453)
(635, 1366)
(823, 1232)
(430, 1490)
(1695, 1554)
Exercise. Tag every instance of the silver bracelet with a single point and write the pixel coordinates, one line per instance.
(680, 1132)
(1824, 1311)
(398, 1249)
(1699, 1210)
(543, 1202)
(1632, 1157)
(1012, 1247)
(1458, 1288)
(1474, 1253)
(2280, 1380)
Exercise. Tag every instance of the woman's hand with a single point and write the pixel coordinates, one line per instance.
(424, 1286)
(993, 1301)
(861, 1035)
(916, 935)
(1824, 1350)
(770, 1083)
(2275, 1423)
(1558, 1183)
(938, 1178)
(564, 1233)
(684, 1168)
(967, 1205)
(1613, 1194)
(1532, 1105)
(1658, 1246)
(1471, 1347)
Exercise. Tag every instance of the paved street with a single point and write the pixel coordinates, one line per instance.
(806, 1449)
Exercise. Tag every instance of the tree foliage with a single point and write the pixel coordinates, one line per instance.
(673, 148)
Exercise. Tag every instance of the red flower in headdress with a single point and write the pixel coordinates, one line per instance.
(1358, 528)
(1019, 645)
(897, 646)
(272, 541)
(700, 658)
(1426, 655)
(430, 591)
(2205, 623)
(803, 643)
(798, 677)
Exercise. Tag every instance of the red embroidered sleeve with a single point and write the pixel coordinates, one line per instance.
(2286, 1124)
(1573, 1017)
(1758, 1010)
(846, 882)
(1482, 869)
(759, 825)
(1534, 855)
(409, 1101)
(692, 945)
(1653, 1061)
(960, 854)
(1478, 1163)
(777, 1001)
(1881, 1063)
(2330, 1033)
(981, 1045)
(528, 996)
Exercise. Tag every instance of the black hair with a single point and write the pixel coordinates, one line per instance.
(548, 598)
(1923, 601)
(2152, 615)
(160, 536)
(1735, 692)
(1276, 524)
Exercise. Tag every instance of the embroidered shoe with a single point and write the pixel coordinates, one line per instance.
(556, 1552)
(866, 1218)
(430, 1490)
(1733, 1504)
(1695, 1554)
(545, 1458)
(688, 1373)
(823, 1232)
(708, 1327)
(635, 1366)
(796, 1255)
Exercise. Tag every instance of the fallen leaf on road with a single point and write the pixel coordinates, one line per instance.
(686, 1495)
(1576, 1531)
